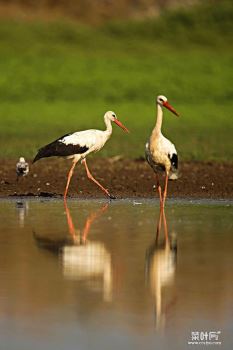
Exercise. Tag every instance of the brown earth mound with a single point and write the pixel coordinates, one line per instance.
(92, 12)
(124, 179)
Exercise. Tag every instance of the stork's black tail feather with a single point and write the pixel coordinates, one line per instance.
(58, 148)
(173, 175)
(174, 161)
(37, 157)
(47, 151)
(50, 150)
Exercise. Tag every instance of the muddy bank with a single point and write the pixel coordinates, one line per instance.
(124, 178)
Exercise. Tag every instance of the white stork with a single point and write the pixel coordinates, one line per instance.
(78, 145)
(160, 152)
(22, 168)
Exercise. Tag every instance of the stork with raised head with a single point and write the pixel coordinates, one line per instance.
(160, 152)
(22, 168)
(78, 145)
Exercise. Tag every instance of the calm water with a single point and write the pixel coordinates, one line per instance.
(92, 276)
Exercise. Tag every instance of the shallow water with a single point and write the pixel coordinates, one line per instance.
(92, 276)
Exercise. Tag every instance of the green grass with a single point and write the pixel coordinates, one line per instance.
(60, 77)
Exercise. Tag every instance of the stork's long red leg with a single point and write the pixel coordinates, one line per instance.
(159, 189)
(89, 175)
(165, 190)
(69, 177)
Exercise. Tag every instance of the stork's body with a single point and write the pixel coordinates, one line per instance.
(78, 145)
(161, 154)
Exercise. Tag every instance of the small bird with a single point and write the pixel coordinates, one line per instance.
(160, 152)
(78, 145)
(22, 168)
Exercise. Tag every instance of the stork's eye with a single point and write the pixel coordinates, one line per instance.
(114, 115)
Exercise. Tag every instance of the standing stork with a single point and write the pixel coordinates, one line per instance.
(78, 145)
(160, 152)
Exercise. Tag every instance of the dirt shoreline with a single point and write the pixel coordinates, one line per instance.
(124, 179)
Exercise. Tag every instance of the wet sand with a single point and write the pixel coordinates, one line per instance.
(124, 179)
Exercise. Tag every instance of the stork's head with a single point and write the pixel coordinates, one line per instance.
(162, 101)
(21, 159)
(112, 116)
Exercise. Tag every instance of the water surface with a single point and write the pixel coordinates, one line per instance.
(92, 275)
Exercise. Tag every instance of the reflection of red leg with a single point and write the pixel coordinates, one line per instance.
(90, 220)
(165, 190)
(89, 175)
(159, 224)
(165, 226)
(70, 222)
(69, 177)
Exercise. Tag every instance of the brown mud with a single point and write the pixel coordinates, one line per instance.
(124, 179)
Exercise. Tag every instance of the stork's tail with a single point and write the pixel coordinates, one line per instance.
(38, 156)
(46, 151)
(173, 175)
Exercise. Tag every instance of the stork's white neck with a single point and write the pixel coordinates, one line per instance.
(158, 125)
(108, 124)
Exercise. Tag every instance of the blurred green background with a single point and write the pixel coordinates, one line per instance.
(62, 74)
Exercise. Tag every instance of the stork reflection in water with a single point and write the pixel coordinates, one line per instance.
(85, 260)
(161, 269)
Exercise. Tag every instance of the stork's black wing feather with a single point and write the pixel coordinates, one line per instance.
(174, 160)
(59, 148)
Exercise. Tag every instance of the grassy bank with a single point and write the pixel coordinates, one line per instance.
(60, 77)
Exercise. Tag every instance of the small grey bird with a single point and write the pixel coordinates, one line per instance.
(22, 168)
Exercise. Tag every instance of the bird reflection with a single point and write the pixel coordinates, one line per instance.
(22, 209)
(160, 270)
(84, 260)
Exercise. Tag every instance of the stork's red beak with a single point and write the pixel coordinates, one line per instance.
(168, 106)
(117, 122)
